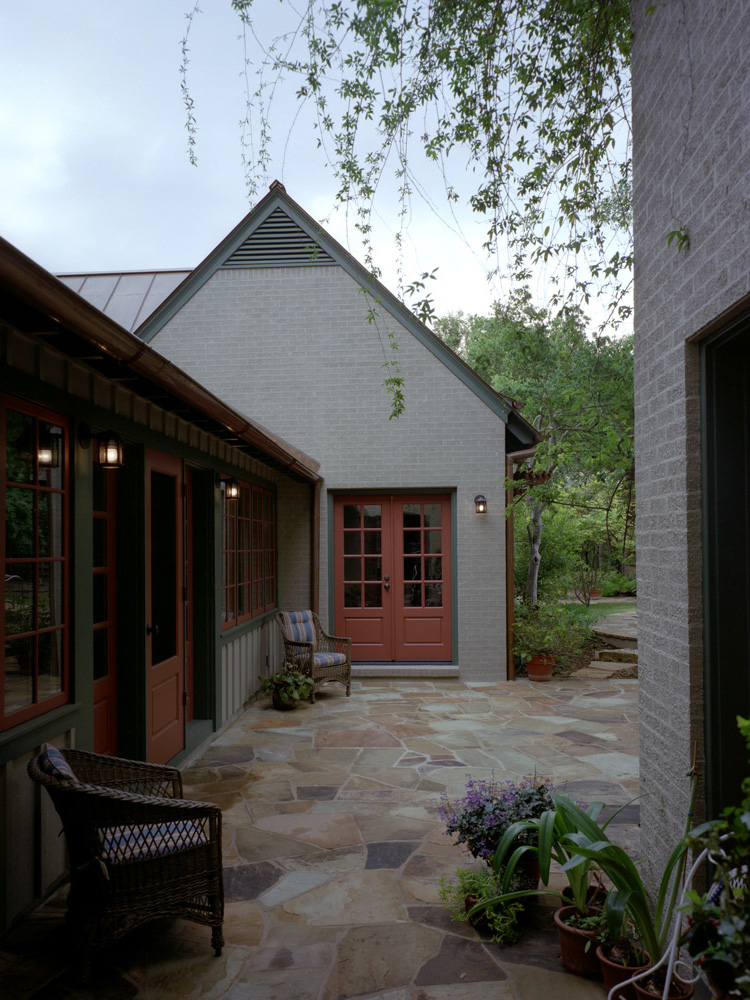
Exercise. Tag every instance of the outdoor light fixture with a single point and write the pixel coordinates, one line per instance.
(232, 488)
(481, 503)
(109, 452)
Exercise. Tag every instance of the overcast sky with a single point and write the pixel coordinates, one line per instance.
(94, 174)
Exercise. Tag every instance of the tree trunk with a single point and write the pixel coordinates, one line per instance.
(535, 540)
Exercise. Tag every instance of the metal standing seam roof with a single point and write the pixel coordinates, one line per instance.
(127, 297)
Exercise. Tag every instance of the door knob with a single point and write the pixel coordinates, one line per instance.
(387, 586)
(386, 578)
(152, 630)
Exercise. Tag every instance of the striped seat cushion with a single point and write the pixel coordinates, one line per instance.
(329, 659)
(52, 763)
(132, 843)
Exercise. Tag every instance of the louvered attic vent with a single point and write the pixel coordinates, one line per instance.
(278, 242)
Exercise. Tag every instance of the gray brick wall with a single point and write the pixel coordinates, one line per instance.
(691, 118)
(293, 348)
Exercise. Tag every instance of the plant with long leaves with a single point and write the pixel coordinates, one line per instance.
(629, 899)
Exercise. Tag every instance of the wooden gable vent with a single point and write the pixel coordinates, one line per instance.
(279, 242)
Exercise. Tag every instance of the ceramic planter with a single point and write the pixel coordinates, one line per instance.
(573, 945)
(539, 668)
(614, 973)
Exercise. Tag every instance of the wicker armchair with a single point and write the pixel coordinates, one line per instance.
(137, 849)
(308, 648)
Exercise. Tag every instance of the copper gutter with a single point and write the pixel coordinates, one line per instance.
(22, 277)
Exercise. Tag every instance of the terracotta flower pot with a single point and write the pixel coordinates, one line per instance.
(573, 941)
(283, 706)
(614, 973)
(539, 668)
(646, 989)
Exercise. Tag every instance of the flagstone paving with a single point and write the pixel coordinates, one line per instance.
(334, 849)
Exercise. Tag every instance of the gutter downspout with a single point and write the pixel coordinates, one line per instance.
(315, 547)
(512, 458)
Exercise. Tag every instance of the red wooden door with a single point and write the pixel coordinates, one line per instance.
(392, 576)
(164, 607)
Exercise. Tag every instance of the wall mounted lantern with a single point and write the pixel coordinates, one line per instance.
(232, 488)
(480, 503)
(109, 450)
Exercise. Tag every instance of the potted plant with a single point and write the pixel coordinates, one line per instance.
(471, 886)
(579, 921)
(287, 688)
(486, 810)
(629, 899)
(718, 933)
(543, 633)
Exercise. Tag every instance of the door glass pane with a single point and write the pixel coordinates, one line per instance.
(50, 524)
(19, 447)
(19, 674)
(433, 541)
(19, 523)
(412, 568)
(100, 543)
(100, 481)
(353, 569)
(412, 515)
(19, 598)
(373, 569)
(352, 543)
(373, 595)
(100, 598)
(50, 664)
(352, 595)
(50, 594)
(372, 515)
(163, 566)
(433, 567)
(352, 515)
(412, 541)
(433, 597)
(432, 514)
(413, 595)
(372, 541)
(101, 665)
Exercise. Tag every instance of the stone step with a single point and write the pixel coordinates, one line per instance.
(601, 671)
(408, 670)
(616, 655)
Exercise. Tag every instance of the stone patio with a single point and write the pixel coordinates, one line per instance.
(334, 850)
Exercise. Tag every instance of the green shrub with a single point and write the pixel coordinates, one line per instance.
(614, 584)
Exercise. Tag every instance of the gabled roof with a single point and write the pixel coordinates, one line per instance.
(39, 305)
(279, 233)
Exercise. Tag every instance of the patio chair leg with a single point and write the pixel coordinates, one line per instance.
(217, 940)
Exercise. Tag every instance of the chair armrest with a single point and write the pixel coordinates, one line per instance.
(335, 644)
(111, 807)
(132, 776)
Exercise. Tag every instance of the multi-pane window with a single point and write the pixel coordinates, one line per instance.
(34, 510)
(248, 554)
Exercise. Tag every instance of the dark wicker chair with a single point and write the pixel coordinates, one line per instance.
(137, 849)
(307, 647)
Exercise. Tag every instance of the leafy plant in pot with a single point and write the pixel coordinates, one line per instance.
(287, 688)
(718, 932)
(579, 921)
(498, 921)
(482, 815)
(629, 900)
(543, 633)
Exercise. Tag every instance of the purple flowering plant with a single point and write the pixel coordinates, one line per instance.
(488, 807)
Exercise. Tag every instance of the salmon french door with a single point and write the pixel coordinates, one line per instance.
(392, 576)
(165, 607)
